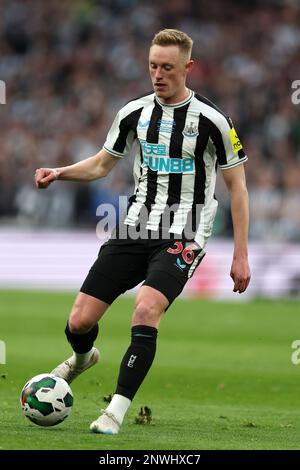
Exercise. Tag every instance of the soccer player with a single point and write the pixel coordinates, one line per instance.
(181, 138)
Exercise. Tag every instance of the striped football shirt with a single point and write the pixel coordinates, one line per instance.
(179, 148)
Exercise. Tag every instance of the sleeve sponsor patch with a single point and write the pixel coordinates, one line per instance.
(235, 141)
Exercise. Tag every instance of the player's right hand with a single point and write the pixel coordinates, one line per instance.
(44, 177)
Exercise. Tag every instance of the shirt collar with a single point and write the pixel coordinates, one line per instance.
(176, 105)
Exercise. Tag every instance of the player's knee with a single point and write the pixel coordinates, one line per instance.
(79, 325)
(79, 321)
(85, 313)
(146, 314)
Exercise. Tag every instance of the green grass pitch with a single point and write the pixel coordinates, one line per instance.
(222, 377)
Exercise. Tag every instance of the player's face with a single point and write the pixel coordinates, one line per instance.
(168, 71)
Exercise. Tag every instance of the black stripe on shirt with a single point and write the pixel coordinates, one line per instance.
(241, 154)
(193, 217)
(206, 101)
(152, 138)
(175, 151)
(129, 123)
(217, 139)
(132, 199)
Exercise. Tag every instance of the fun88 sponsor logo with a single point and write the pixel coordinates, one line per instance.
(169, 165)
(153, 149)
(155, 157)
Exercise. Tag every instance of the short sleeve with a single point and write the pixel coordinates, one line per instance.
(122, 133)
(229, 149)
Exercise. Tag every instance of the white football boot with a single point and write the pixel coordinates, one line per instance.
(68, 370)
(105, 424)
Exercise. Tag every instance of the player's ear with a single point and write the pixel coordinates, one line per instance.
(189, 65)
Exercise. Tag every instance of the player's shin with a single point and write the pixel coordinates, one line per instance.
(134, 368)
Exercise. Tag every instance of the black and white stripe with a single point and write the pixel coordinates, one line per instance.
(193, 136)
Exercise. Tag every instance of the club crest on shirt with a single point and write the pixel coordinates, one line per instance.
(190, 130)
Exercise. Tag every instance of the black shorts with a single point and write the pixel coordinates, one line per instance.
(165, 265)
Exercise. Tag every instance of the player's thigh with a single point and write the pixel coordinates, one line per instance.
(117, 269)
(172, 266)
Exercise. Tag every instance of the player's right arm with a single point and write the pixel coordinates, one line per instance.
(118, 143)
(90, 169)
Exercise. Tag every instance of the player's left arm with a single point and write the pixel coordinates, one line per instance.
(236, 183)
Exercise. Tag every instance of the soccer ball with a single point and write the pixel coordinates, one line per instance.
(46, 400)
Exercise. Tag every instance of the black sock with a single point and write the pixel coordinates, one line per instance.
(137, 360)
(82, 343)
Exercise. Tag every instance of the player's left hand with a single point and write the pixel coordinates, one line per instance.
(240, 274)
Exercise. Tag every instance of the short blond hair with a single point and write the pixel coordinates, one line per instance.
(174, 37)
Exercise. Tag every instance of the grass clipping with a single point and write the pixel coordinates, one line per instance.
(144, 416)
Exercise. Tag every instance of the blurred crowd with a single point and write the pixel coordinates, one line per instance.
(69, 65)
